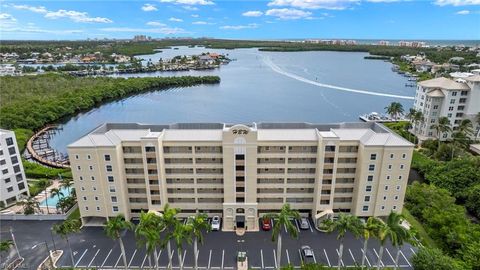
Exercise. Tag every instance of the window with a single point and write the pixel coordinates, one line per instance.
(454, 93)
(402, 166)
(82, 188)
(398, 187)
(109, 168)
(114, 199)
(115, 208)
(383, 207)
(404, 156)
(396, 198)
(388, 177)
(7, 180)
(81, 178)
(367, 198)
(399, 177)
(373, 156)
(449, 115)
(110, 178)
(16, 168)
(90, 167)
(98, 208)
(79, 168)
(371, 167)
(112, 188)
(452, 101)
(386, 187)
(93, 178)
(3, 162)
(394, 207)
(21, 186)
(86, 208)
(76, 156)
(96, 198)
(84, 198)
(435, 107)
(450, 108)
(368, 188)
(94, 188)
(19, 177)
(384, 198)
(5, 171)
(10, 189)
(370, 178)
(391, 156)
(107, 157)
(9, 141)
(330, 148)
(365, 208)
(149, 148)
(389, 166)
(11, 150)
(14, 159)
(89, 157)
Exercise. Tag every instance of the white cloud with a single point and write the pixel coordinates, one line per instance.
(155, 23)
(383, 1)
(7, 20)
(457, 2)
(189, 2)
(463, 12)
(201, 23)
(149, 7)
(288, 14)
(173, 19)
(314, 4)
(252, 13)
(73, 15)
(162, 30)
(239, 27)
(190, 8)
(34, 29)
(195, 15)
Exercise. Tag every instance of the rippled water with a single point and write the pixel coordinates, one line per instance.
(258, 86)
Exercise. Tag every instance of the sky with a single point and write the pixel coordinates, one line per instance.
(246, 19)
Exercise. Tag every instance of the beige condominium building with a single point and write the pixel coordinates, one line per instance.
(240, 172)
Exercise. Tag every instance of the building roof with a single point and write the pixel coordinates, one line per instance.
(444, 83)
(435, 93)
(113, 134)
(474, 78)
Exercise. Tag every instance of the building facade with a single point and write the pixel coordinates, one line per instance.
(240, 172)
(13, 184)
(456, 99)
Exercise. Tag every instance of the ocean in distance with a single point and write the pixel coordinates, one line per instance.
(319, 87)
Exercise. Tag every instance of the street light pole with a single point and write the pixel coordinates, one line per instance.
(49, 253)
(15, 242)
(53, 240)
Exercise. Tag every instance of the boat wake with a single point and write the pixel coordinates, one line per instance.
(279, 70)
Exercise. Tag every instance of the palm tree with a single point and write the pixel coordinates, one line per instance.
(368, 230)
(29, 205)
(283, 219)
(170, 220)
(147, 233)
(65, 228)
(56, 192)
(477, 120)
(43, 185)
(394, 109)
(181, 234)
(198, 225)
(442, 126)
(466, 127)
(113, 228)
(345, 223)
(417, 119)
(6, 245)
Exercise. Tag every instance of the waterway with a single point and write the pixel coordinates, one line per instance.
(258, 86)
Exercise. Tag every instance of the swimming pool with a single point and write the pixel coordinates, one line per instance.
(53, 201)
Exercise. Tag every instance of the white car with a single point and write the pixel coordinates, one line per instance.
(216, 223)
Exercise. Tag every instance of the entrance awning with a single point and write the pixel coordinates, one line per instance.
(324, 213)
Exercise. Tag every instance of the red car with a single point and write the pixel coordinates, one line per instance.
(266, 224)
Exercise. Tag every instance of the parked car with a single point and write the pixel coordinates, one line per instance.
(266, 224)
(307, 255)
(304, 224)
(216, 223)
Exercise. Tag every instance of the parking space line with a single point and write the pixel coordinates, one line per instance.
(285, 227)
(144, 259)
(314, 259)
(275, 258)
(94, 256)
(378, 257)
(209, 259)
(131, 259)
(328, 261)
(288, 256)
(223, 257)
(104, 261)
(300, 255)
(391, 257)
(413, 251)
(118, 260)
(261, 256)
(405, 258)
(366, 258)
(158, 257)
(351, 254)
(309, 223)
(184, 255)
(81, 257)
(341, 259)
(296, 225)
(171, 260)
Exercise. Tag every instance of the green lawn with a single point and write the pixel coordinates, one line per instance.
(74, 215)
(423, 235)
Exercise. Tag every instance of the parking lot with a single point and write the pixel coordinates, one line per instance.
(220, 248)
